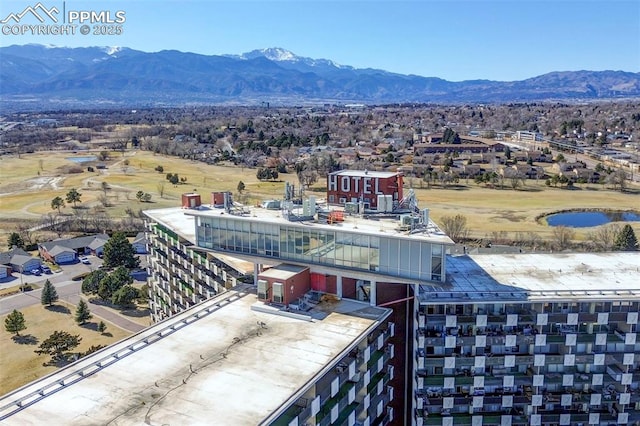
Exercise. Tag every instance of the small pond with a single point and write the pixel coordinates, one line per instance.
(84, 159)
(588, 219)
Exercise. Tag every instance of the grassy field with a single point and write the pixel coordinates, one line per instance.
(492, 210)
(30, 182)
(20, 365)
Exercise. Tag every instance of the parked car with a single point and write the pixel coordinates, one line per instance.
(36, 271)
(85, 260)
(45, 269)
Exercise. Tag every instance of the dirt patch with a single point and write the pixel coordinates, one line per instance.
(39, 183)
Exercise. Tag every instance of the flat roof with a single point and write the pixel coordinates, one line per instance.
(184, 225)
(283, 271)
(181, 221)
(365, 173)
(230, 364)
(533, 276)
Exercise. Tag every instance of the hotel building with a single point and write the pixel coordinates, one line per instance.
(382, 324)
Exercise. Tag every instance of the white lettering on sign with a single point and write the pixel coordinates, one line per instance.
(345, 184)
(333, 183)
(366, 188)
(355, 185)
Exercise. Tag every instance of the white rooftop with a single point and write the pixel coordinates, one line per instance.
(553, 276)
(283, 271)
(365, 173)
(183, 225)
(230, 365)
(181, 221)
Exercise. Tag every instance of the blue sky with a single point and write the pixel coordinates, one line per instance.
(455, 40)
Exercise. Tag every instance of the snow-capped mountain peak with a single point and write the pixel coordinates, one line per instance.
(110, 50)
(272, 53)
(278, 54)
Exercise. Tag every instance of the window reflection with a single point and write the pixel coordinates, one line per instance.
(410, 259)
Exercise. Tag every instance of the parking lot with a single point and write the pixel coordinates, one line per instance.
(66, 273)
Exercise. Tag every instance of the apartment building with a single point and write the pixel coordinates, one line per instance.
(181, 274)
(530, 340)
(480, 340)
(361, 255)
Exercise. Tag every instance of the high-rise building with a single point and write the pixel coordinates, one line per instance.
(425, 338)
(533, 339)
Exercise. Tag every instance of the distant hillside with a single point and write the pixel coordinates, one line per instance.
(68, 76)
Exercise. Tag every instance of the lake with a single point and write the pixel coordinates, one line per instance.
(84, 159)
(588, 219)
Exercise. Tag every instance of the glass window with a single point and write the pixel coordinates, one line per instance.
(436, 267)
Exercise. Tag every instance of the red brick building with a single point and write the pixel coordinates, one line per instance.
(361, 185)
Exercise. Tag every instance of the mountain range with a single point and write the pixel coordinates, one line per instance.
(45, 75)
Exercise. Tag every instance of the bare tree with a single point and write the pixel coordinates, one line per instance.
(562, 236)
(455, 227)
(516, 179)
(81, 219)
(533, 240)
(100, 221)
(160, 188)
(499, 237)
(25, 229)
(604, 238)
(307, 178)
(618, 180)
(103, 199)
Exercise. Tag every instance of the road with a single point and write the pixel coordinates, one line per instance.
(68, 291)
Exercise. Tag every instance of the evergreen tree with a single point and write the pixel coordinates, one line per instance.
(15, 240)
(83, 314)
(125, 295)
(57, 203)
(49, 294)
(91, 282)
(57, 344)
(14, 322)
(102, 327)
(73, 196)
(626, 239)
(118, 251)
(113, 282)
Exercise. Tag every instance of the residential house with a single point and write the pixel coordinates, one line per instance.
(527, 171)
(470, 170)
(61, 254)
(588, 175)
(19, 260)
(90, 244)
(466, 146)
(4, 271)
